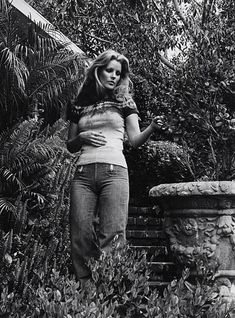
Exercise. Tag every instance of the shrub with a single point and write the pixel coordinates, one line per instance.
(120, 288)
(154, 163)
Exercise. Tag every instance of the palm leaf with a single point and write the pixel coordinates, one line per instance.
(6, 206)
(32, 169)
(38, 197)
(34, 69)
(10, 179)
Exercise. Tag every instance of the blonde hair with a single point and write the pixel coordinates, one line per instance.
(92, 80)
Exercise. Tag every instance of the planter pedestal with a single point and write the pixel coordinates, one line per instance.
(200, 223)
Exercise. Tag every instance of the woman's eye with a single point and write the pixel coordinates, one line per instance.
(110, 70)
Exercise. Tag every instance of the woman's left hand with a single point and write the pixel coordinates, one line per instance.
(157, 122)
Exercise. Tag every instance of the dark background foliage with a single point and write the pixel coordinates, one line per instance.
(194, 88)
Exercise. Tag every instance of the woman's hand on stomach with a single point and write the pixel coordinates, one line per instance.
(92, 138)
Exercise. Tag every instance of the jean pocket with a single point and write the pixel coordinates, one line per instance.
(115, 170)
(78, 171)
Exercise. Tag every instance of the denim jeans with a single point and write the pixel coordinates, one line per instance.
(102, 190)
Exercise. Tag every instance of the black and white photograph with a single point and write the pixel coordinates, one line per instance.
(117, 159)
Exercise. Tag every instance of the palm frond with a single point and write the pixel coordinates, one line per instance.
(19, 163)
(38, 197)
(51, 77)
(23, 133)
(34, 69)
(10, 179)
(3, 5)
(31, 169)
(6, 206)
(8, 242)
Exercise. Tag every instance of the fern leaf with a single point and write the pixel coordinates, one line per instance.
(23, 272)
(33, 256)
(21, 217)
(8, 243)
(11, 179)
(39, 198)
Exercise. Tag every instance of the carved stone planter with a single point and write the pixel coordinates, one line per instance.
(200, 222)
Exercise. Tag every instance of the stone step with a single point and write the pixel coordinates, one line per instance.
(153, 234)
(158, 284)
(154, 253)
(152, 249)
(155, 211)
(147, 241)
(144, 221)
(145, 232)
(159, 267)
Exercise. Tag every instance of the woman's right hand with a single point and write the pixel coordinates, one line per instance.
(92, 138)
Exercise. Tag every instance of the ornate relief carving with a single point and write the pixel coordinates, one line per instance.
(200, 224)
(193, 188)
(192, 238)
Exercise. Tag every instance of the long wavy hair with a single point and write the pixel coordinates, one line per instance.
(92, 89)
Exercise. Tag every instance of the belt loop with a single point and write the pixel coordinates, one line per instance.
(111, 167)
(80, 168)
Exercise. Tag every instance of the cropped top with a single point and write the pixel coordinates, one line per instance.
(106, 117)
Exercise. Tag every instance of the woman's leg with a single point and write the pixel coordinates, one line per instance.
(113, 203)
(83, 206)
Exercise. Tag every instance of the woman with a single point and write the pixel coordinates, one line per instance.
(103, 109)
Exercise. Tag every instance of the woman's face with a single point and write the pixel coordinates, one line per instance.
(110, 75)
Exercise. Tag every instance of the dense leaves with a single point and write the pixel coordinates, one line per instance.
(37, 75)
(193, 86)
(154, 163)
(34, 284)
(30, 163)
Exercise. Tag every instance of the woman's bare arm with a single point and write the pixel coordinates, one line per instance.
(76, 139)
(137, 137)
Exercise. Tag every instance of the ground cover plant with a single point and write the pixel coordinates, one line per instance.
(37, 287)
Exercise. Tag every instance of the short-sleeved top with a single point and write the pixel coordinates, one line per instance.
(106, 117)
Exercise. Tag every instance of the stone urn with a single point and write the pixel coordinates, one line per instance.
(199, 220)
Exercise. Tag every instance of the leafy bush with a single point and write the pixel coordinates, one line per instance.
(120, 288)
(154, 163)
(183, 299)
(34, 164)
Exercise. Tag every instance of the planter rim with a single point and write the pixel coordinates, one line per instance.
(198, 188)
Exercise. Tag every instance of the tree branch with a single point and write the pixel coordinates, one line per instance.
(179, 13)
(207, 7)
(204, 12)
(167, 62)
(110, 15)
(96, 37)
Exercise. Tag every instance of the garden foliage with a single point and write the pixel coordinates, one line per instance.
(182, 58)
(36, 286)
(36, 276)
(195, 92)
(38, 76)
(154, 163)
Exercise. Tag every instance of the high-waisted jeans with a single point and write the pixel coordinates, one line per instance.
(102, 190)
